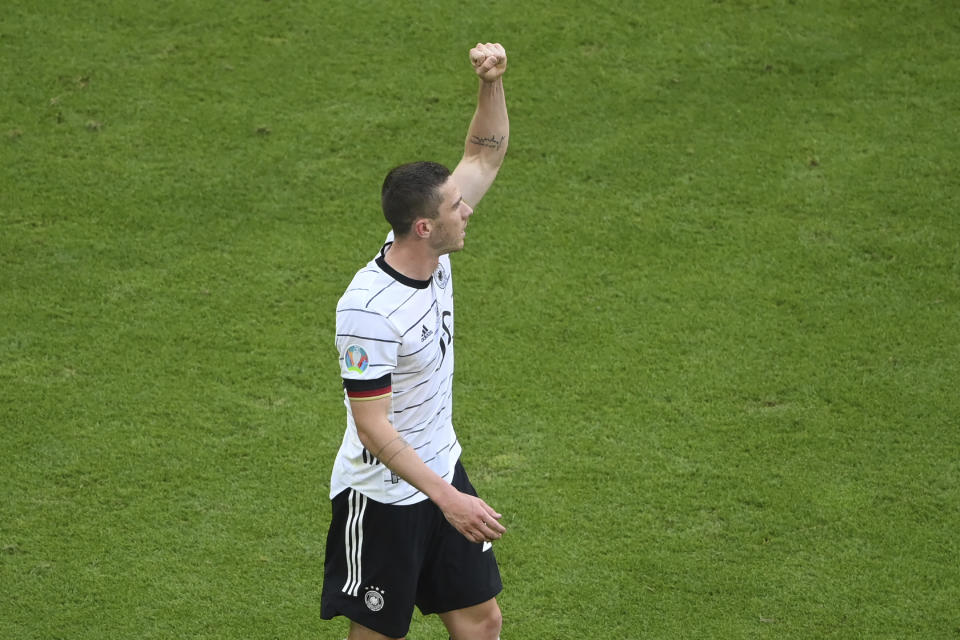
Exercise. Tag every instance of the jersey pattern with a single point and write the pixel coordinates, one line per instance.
(394, 335)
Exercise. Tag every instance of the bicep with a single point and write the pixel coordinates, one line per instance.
(474, 178)
(368, 345)
(370, 406)
(371, 416)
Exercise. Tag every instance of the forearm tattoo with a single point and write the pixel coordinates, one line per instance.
(491, 141)
(396, 445)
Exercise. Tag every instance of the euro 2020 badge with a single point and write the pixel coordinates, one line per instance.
(355, 359)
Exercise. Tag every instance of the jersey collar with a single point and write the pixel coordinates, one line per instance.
(396, 275)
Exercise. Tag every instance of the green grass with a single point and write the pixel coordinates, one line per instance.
(708, 317)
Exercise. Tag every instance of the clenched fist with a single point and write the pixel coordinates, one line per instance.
(489, 61)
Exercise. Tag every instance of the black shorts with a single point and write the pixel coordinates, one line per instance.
(381, 560)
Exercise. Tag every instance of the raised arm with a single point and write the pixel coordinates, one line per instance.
(489, 132)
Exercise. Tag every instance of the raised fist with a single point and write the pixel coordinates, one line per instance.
(489, 61)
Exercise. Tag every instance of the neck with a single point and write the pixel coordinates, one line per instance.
(411, 261)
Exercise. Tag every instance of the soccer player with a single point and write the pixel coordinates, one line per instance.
(408, 528)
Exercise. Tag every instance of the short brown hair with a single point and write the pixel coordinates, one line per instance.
(412, 191)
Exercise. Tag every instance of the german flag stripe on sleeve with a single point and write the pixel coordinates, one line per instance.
(368, 389)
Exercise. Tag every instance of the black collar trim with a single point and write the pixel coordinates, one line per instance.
(396, 275)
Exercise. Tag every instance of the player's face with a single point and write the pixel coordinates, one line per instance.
(449, 227)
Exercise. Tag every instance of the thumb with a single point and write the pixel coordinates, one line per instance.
(490, 62)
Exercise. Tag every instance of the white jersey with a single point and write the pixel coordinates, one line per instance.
(395, 338)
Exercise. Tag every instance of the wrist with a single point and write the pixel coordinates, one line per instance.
(444, 495)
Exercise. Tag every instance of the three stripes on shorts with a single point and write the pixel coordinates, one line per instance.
(353, 538)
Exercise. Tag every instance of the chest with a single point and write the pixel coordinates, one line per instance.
(428, 330)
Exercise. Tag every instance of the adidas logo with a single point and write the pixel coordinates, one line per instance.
(426, 333)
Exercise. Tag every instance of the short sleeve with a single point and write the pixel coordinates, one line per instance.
(368, 344)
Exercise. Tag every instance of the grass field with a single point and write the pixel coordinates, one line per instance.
(708, 317)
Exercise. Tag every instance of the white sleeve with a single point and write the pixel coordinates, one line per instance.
(368, 344)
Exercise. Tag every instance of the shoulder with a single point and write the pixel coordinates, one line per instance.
(370, 278)
(368, 301)
(363, 281)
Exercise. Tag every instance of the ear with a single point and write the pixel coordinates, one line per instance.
(422, 227)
